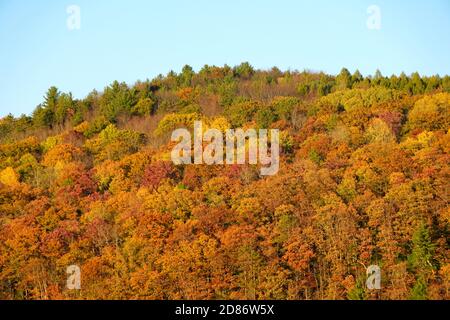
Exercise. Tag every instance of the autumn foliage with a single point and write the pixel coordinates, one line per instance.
(364, 179)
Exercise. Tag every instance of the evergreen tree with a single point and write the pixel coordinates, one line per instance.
(416, 84)
(244, 70)
(421, 261)
(343, 80)
(51, 99)
(378, 77)
(421, 258)
(356, 77)
(42, 117)
(186, 76)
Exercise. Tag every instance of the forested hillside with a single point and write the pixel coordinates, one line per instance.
(363, 180)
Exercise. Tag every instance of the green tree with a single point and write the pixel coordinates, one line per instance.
(112, 143)
(240, 113)
(421, 261)
(51, 98)
(42, 117)
(378, 77)
(419, 291)
(244, 71)
(433, 83)
(343, 80)
(357, 77)
(403, 81)
(116, 100)
(265, 117)
(358, 292)
(421, 258)
(187, 73)
(64, 104)
(44, 114)
(416, 84)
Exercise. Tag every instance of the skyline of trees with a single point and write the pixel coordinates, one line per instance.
(119, 99)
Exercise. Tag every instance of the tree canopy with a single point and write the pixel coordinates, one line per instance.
(363, 180)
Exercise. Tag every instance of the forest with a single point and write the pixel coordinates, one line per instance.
(363, 180)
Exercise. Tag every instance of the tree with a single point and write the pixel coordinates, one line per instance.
(186, 76)
(244, 71)
(422, 255)
(421, 261)
(433, 83)
(43, 117)
(343, 80)
(416, 84)
(64, 107)
(378, 77)
(158, 171)
(113, 143)
(51, 99)
(356, 77)
(9, 177)
(241, 112)
(144, 107)
(419, 291)
(431, 113)
(379, 131)
(117, 99)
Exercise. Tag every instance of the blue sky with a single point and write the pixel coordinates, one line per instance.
(131, 40)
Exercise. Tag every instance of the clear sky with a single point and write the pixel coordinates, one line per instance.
(129, 40)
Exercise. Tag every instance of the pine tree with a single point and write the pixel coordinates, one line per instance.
(421, 258)
(378, 77)
(421, 261)
(343, 79)
(356, 77)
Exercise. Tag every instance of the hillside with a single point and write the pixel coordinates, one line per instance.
(363, 180)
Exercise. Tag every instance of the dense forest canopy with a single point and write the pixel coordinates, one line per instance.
(363, 180)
